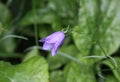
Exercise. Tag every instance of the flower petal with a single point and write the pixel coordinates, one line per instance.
(56, 46)
(54, 37)
(54, 51)
(47, 46)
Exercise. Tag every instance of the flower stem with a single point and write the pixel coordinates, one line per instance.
(69, 57)
(35, 26)
(36, 36)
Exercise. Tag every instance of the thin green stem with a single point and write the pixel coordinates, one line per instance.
(69, 57)
(36, 35)
(35, 26)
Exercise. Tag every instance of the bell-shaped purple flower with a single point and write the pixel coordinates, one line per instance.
(53, 41)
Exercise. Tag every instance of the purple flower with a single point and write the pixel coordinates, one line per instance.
(53, 41)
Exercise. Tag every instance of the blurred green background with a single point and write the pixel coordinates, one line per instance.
(90, 52)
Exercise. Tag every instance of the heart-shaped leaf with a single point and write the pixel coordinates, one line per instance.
(99, 22)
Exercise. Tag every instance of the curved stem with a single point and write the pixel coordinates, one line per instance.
(69, 57)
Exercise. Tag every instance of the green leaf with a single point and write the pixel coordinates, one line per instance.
(57, 76)
(79, 73)
(114, 69)
(66, 12)
(99, 21)
(40, 13)
(110, 78)
(8, 45)
(64, 8)
(5, 16)
(32, 53)
(38, 3)
(40, 16)
(54, 12)
(33, 70)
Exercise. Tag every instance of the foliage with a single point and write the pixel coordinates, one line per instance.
(90, 52)
(34, 69)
